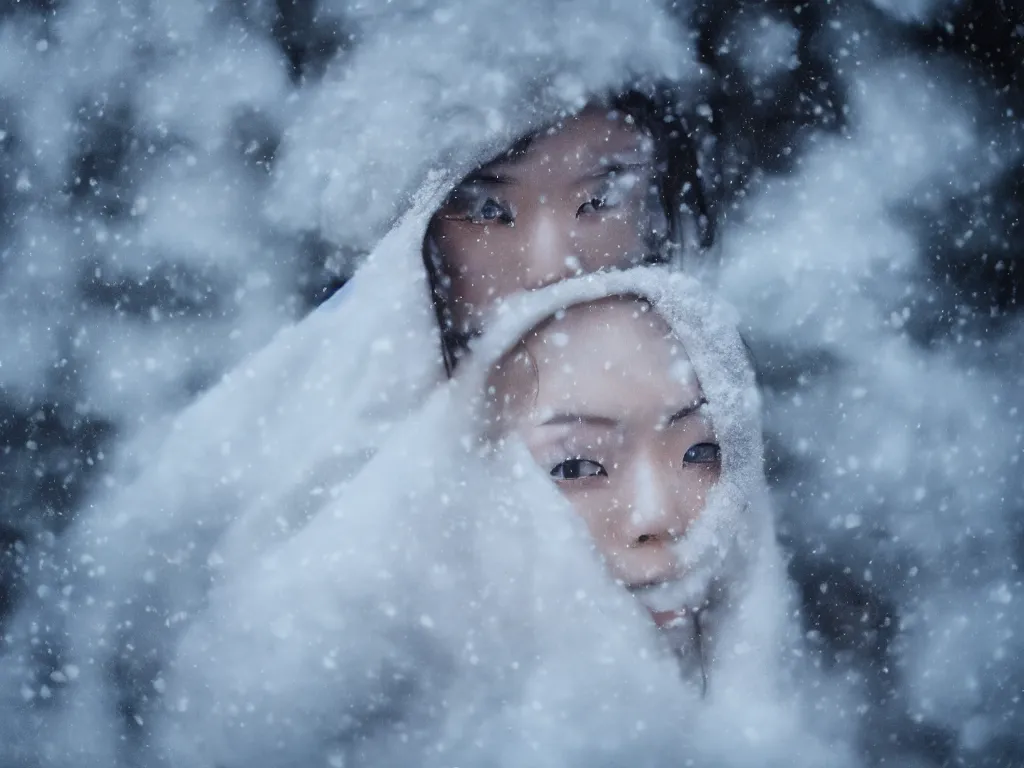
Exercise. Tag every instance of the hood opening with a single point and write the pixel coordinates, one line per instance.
(681, 226)
(716, 548)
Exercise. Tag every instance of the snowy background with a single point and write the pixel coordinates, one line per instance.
(870, 200)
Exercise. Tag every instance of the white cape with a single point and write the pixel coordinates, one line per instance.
(383, 587)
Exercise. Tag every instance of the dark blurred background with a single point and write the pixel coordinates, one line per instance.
(55, 437)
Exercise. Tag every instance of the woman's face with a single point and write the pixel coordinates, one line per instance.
(605, 398)
(578, 199)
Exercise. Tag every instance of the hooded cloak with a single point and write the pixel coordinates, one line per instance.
(447, 596)
(443, 604)
(438, 89)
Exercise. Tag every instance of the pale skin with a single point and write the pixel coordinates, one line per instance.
(579, 198)
(605, 399)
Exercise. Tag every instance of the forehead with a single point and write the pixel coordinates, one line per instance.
(584, 139)
(611, 356)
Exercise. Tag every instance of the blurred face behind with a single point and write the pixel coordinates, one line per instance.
(605, 398)
(579, 198)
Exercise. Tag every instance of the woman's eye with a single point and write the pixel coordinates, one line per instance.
(593, 205)
(611, 194)
(491, 210)
(703, 453)
(573, 469)
(477, 207)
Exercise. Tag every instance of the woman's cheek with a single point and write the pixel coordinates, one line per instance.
(699, 482)
(596, 509)
(613, 241)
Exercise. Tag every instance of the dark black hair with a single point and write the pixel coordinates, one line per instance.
(680, 179)
(679, 170)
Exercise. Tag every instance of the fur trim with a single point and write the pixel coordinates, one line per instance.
(446, 88)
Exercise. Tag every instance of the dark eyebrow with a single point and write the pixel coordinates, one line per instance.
(619, 166)
(630, 158)
(685, 411)
(563, 419)
(485, 176)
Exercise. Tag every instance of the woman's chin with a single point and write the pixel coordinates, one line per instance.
(681, 637)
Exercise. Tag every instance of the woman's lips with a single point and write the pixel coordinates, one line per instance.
(665, 602)
(668, 619)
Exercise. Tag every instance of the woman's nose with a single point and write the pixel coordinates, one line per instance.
(660, 510)
(550, 246)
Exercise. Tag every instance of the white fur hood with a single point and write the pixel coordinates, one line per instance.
(737, 514)
(446, 594)
(439, 88)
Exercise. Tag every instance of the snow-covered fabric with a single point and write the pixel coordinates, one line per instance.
(445, 596)
(395, 590)
(485, 74)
